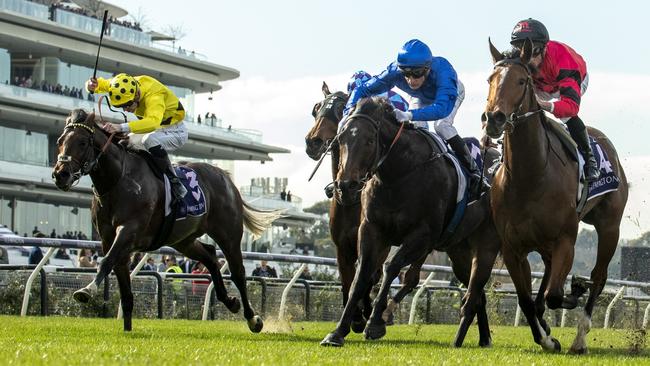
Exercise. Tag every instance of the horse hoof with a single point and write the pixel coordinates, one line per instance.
(358, 326)
(82, 296)
(375, 331)
(578, 351)
(485, 343)
(390, 319)
(551, 344)
(332, 340)
(235, 306)
(255, 324)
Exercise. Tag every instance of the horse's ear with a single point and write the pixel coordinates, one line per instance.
(496, 55)
(326, 89)
(90, 119)
(526, 51)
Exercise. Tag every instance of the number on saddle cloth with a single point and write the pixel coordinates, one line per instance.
(194, 203)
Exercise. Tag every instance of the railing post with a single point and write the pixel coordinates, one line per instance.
(518, 312)
(135, 271)
(30, 280)
(44, 298)
(416, 297)
(618, 296)
(646, 317)
(285, 292)
(208, 294)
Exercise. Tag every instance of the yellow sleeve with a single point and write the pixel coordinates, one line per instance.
(103, 85)
(153, 115)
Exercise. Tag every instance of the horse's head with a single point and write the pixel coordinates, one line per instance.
(327, 115)
(75, 149)
(511, 92)
(360, 147)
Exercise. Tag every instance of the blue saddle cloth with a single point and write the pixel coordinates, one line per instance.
(194, 201)
(608, 180)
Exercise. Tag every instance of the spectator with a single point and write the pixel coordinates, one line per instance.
(135, 259)
(199, 286)
(283, 195)
(4, 256)
(198, 119)
(289, 196)
(207, 115)
(53, 233)
(35, 231)
(186, 265)
(163, 264)
(35, 255)
(264, 270)
(87, 259)
(61, 254)
(172, 265)
(213, 119)
(305, 275)
(150, 265)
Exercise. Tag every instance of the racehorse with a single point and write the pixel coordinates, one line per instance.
(344, 218)
(408, 192)
(534, 200)
(128, 208)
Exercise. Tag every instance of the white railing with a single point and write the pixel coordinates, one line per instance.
(95, 245)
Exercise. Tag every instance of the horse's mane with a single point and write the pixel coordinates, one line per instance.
(377, 107)
(81, 116)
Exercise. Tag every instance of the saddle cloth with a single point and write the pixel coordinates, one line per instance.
(608, 180)
(194, 203)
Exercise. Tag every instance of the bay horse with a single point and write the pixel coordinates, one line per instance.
(345, 217)
(534, 200)
(408, 192)
(128, 208)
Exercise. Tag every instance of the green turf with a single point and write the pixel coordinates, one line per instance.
(84, 341)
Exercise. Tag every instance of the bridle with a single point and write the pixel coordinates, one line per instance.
(88, 165)
(517, 117)
(327, 110)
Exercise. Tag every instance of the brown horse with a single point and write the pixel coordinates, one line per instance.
(534, 200)
(408, 200)
(128, 209)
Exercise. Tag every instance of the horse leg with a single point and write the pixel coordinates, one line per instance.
(607, 241)
(230, 246)
(540, 306)
(409, 252)
(475, 276)
(561, 263)
(119, 250)
(346, 257)
(199, 252)
(411, 281)
(519, 269)
(372, 250)
(121, 271)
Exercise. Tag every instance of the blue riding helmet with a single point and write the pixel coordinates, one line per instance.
(414, 53)
(357, 79)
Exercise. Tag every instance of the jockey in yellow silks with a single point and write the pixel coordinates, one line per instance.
(160, 117)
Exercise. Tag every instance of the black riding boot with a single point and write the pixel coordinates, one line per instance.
(578, 132)
(462, 153)
(164, 165)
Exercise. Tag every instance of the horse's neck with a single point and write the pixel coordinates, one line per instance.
(109, 169)
(335, 161)
(405, 156)
(526, 150)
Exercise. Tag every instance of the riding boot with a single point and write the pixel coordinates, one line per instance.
(165, 166)
(462, 153)
(579, 134)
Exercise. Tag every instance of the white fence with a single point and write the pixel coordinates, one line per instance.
(620, 286)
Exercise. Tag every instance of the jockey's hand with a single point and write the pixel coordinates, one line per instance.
(91, 84)
(545, 105)
(403, 116)
(112, 128)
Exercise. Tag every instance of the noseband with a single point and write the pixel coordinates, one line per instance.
(517, 117)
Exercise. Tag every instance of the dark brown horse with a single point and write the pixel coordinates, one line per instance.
(344, 218)
(128, 209)
(534, 200)
(408, 199)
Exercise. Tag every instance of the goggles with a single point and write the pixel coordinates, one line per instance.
(414, 72)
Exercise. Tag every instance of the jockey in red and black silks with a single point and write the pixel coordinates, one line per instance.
(561, 79)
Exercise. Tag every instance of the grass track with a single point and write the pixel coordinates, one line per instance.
(84, 341)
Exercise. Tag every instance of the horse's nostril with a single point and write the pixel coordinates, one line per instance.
(500, 117)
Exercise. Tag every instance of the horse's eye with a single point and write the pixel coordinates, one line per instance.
(83, 144)
(522, 81)
(370, 142)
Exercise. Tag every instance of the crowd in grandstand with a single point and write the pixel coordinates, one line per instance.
(44, 85)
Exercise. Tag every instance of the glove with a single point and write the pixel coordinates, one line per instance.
(403, 116)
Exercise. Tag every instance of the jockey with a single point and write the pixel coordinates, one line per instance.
(396, 100)
(160, 118)
(436, 94)
(561, 78)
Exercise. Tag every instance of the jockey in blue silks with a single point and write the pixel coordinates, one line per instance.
(436, 94)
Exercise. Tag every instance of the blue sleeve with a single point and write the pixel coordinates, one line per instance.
(446, 93)
(376, 85)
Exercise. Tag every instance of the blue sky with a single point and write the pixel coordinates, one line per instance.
(285, 49)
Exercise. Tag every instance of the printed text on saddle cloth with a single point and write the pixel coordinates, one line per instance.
(194, 202)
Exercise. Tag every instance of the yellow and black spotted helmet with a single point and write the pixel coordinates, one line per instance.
(122, 90)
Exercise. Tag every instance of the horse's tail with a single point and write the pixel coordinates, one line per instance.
(257, 220)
